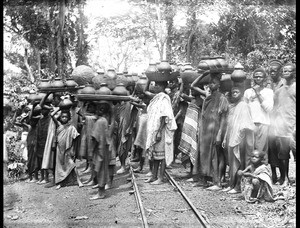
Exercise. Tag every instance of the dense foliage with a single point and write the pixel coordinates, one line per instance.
(45, 39)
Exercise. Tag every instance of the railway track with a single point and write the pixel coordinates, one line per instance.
(143, 192)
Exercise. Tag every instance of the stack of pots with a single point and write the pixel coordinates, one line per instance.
(160, 72)
(103, 90)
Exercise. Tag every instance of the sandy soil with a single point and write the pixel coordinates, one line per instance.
(32, 205)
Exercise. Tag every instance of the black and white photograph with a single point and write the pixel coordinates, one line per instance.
(149, 113)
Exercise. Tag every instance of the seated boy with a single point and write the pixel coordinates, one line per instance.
(258, 179)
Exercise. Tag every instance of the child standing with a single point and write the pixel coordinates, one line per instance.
(65, 154)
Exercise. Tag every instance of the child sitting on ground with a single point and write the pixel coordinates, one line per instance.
(258, 179)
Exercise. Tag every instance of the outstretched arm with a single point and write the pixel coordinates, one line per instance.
(196, 88)
(42, 102)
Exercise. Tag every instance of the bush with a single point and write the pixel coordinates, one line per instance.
(16, 164)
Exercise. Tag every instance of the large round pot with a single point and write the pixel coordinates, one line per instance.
(174, 67)
(222, 61)
(70, 82)
(204, 63)
(83, 74)
(103, 78)
(226, 83)
(103, 90)
(111, 73)
(151, 68)
(135, 77)
(66, 103)
(121, 78)
(120, 90)
(57, 83)
(130, 80)
(238, 75)
(141, 83)
(164, 66)
(88, 89)
(215, 64)
(188, 75)
(44, 84)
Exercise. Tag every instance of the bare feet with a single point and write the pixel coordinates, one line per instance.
(44, 182)
(233, 191)
(149, 174)
(87, 181)
(226, 189)
(151, 179)
(58, 187)
(98, 196)
(214, 188)
(108, 186)
(192, 179)
(121, 170)
(91, 183)
(34, 180)
(87, 170)
(157, 182)
(95, 186)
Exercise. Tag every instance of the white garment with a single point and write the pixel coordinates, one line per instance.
(260, 112)
(160, 106)
(23, 148)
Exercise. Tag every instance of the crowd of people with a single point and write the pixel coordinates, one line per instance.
(249, 132)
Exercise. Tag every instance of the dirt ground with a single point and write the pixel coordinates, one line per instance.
(32, 205)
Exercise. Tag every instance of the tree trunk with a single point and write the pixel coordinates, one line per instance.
(38, 59)
(189, 48)
(160, 34)
(52, 41)
(193, 24)
(31, 77)
(60, 39)
(81, 59)
(170, 13)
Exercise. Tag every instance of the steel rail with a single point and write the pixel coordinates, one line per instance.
(138, 199)
(201, 219)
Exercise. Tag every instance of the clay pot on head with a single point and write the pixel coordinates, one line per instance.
(238, 75)
(103, 90)
(130, 80)
(111, 73)
(188, 75)
(70, 82)
(120, 90)
(66, 103)
(141, 83)
(226, 83)
(222, 61)
(164, 66)
(151, 68)
(44, 84)
(88, 89)
(215, 64)
(57, 83)
(135, 77)
(121, 78)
